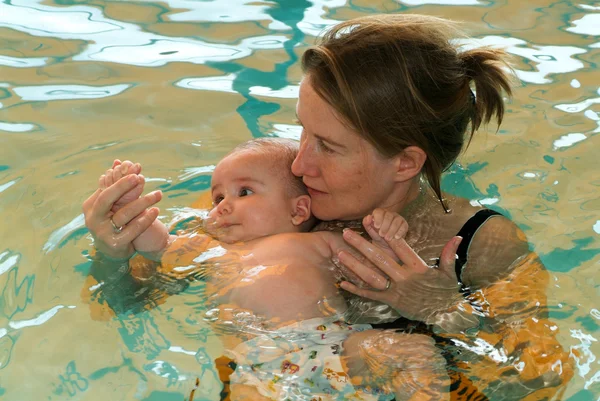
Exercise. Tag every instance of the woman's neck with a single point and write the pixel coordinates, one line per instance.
(409, 197)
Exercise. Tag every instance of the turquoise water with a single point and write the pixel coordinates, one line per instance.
(175, 85)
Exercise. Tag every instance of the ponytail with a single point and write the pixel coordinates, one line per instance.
(483, 66)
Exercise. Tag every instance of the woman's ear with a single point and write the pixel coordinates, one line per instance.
(410, 163)
(301, 209)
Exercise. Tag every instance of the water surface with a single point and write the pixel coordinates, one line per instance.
(175, 85)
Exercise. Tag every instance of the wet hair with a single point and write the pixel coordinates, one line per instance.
(281, 153)
(402, 80)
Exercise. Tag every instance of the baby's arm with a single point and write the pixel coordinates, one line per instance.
(384, 227)
(152, 242)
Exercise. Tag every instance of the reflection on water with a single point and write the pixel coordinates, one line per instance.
(175, 85)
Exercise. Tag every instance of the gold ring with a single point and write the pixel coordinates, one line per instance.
(388, 284)
(116, 228)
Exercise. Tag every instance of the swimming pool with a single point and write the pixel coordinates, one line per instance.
(175, 85)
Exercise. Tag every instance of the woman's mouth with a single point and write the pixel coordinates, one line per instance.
(313, 192)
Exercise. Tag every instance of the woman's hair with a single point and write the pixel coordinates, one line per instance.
(399, 81)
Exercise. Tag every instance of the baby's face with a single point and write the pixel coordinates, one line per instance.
(249, 199)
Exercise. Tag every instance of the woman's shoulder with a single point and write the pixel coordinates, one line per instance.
(493, 242)
(496, 244)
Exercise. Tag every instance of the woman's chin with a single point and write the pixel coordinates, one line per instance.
(325, 213)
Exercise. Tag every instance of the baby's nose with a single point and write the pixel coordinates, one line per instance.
(224, 207)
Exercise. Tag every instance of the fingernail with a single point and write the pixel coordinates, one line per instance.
(457, 241)
(347, 232)
(397, 236)
(125, 169)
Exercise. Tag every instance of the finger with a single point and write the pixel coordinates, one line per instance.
(118, 173)
(378, 217)
(363, 292)
(89, 202)
(137, 168)
(130, 211)
(111, 194)
(367, 274)
(376, 255)
(126, 168)
(367, 220)
(408, 256)
(372, 232)
(139, 224)
(385, 224)
(116, 163)
(398, 229)
(108, 177)
(101, 183)
(448, 256)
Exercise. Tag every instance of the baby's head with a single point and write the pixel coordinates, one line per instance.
(255, 194)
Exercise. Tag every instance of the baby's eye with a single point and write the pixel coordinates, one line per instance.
(246, 192)
(217, 199)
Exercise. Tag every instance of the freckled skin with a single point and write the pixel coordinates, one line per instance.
(349, 176)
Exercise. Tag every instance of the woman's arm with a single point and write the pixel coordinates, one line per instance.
(431, 294)
(503, 323)
(497, 249)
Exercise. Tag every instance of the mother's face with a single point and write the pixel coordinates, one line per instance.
(346, 176)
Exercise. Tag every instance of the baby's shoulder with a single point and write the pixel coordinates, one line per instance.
(311, 248)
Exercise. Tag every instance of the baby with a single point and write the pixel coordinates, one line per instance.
(280, 272)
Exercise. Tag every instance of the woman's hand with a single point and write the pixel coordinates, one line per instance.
(416, 290)
(114, 232)
(115, 173)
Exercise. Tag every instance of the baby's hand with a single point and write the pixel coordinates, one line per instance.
(384, 227)
(115, 173)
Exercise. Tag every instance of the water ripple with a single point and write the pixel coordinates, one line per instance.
(230, 11)
(547, 59)
(17, 127)
(22, 62)
(589, 24)
(121, 42)
(42, 93)
(57, 236)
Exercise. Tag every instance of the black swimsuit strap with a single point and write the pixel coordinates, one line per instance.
(467, 232)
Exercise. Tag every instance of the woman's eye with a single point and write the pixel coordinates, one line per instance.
(324, 146)
(246, 192)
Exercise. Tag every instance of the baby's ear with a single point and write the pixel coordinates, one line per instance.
(300, 209)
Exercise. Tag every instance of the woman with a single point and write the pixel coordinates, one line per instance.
(386, 105)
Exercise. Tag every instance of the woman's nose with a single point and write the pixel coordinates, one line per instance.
(303, 164)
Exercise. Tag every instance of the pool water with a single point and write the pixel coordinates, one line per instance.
(175, 85)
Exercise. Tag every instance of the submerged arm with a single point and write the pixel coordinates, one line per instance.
(114, 287)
